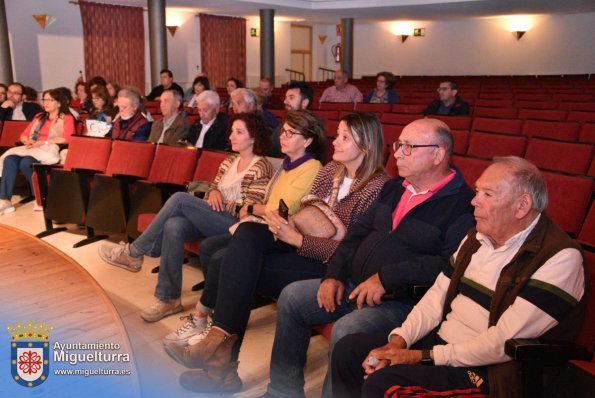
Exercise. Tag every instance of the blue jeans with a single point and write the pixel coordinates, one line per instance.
(12, 165)
(182, 218)
(298, 311)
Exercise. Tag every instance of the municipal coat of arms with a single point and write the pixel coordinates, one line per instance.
(30, 353)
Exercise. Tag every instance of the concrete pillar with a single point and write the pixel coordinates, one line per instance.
(157, 39)
(6, 75)
(267, 44)
(347, 45)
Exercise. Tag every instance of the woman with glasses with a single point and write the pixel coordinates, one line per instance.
(40, 142)
(384, 93)
(266, 258)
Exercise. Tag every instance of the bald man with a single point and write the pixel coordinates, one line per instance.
(405, 239)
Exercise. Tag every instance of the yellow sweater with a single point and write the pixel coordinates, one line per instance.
(292, 185)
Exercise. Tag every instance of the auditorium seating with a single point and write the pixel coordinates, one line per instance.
(542, 114)
(487, 145)
(587, 132)
(11, 133)
(569, 157)
(567, 131)
(506, 113)
(500, 126)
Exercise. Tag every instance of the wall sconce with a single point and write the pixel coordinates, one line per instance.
(403, 38)
(44, 20)
(172, 29)
(519, 33)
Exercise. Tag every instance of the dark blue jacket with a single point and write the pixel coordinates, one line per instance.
(417, 251)
(393, 96)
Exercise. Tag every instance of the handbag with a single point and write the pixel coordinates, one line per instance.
(198, 188)
(317, 219)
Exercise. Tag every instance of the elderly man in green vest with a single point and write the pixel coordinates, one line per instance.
(517, 274)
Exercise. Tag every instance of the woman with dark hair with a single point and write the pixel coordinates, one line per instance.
(200, 84)
(40, 141)
(241, 181)
(103, 105)
(231, 84)
(113, 88)
(384, 93)
(267, 257)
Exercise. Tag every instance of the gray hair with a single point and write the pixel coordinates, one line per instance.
(131, 95)
(176, 94)
(445, 138)
(249, 96)
(211, 98)
(528, 179)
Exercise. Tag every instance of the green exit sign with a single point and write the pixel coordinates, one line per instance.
(419, 32)
(253, 32)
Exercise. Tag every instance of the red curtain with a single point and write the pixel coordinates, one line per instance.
(114, 42)
(223, 48)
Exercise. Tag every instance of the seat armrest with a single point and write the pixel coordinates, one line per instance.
(40, 167)
(545, 350)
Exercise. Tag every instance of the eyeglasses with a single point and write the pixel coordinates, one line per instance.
(14, 92)
(48, 100)
(442, 89)
(289, 133)
(407, 148)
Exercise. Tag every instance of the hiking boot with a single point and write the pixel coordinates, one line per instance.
(221, 379)
(161, 309)
(120, 257)
(214, 350)
(193, 326)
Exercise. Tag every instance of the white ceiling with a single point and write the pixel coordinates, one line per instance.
(331, 11)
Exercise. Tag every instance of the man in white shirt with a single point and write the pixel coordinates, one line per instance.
(210, 131)
(172, 127)
(516, 275)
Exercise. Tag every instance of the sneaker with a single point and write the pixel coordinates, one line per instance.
(37, 207)
(6, 206)
(120, 257)
(193, 325)
(197, 338)
(161, 309)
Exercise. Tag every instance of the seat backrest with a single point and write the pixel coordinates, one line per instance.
(11, 132)
(374, 108)
(173, 164)
(330, 127)
(454, 122)
(568, 199)
(409, 108)
(131, 158)
(533, 97)
(337, 106)
(587, 132)
(401, 119)
(506, 113)
(328, 114)
(391, 133)
(543, 114)
(208, 164)
(580, 116)
(471, 167)
(577, 106)
(494, 103)
(494, 125)
(487, 145)
(461, 141)
(587, 232)
(568, 157)
(89, 153)
(586, 337)
(574, 97)
(564, 131)
(528, 104)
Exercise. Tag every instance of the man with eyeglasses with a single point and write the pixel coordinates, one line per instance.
(449, 103)
(14, 108)
(403, 241)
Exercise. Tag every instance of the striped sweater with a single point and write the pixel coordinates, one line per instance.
(254, 183)
(347, 209)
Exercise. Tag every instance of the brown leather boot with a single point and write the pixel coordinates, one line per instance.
(220, 379)
(213, 350)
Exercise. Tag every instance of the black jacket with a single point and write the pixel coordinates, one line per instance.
(417, 251)
(459, 108)
(158, 90)
(216, 136)
(30, 109)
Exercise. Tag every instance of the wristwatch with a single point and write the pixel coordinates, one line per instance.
(426, 359)
(250, 209)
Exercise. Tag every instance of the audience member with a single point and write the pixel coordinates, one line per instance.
(3, 89)
(245, 100)
(268, 257)
(449, 103)
(81, 93)
(14, 108)
(342, 91)
(29, 94)
(66, 93)
(200, 84)
(130, 123)
(240, 182)
(405, 239)
(385, 92)
(103, 105)
(54, 125)
(167, 81)
(231, 84)
(172, 127)
(210, 131)
(268, 116)
(113, 88)
(516, 275)
(265, 87)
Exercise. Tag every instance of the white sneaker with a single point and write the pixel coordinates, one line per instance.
(193, 325)
(37, 207)
(6, 206)
(197, 338)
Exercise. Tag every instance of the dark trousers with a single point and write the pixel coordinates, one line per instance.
(12, 165)
(400, 380)
(253, 262)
